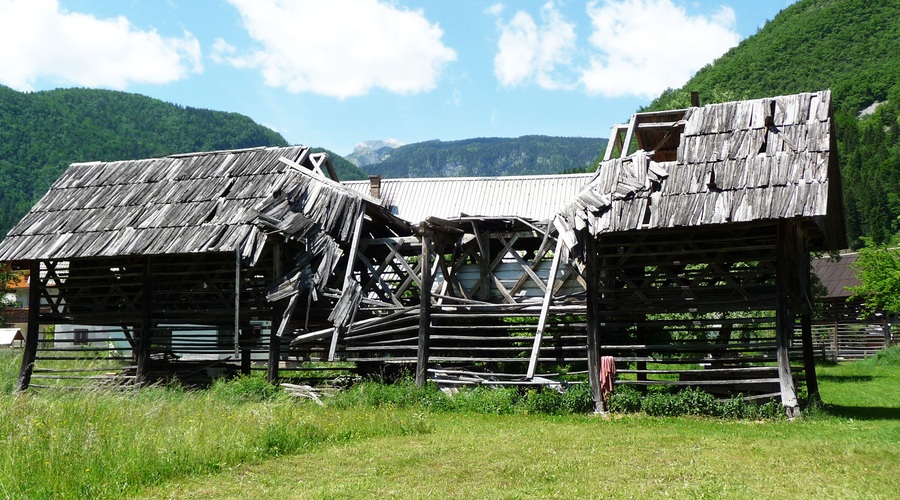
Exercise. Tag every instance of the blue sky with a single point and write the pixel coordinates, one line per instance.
(337, 72)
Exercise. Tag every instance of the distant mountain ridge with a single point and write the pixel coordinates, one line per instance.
(370, 152)
(490, 157)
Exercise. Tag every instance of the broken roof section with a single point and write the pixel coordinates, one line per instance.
(744, 161)
(191, 203)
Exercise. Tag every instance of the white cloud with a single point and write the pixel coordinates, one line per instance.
(342, 48)
(41, 40)
(646, 46)
(528, 52)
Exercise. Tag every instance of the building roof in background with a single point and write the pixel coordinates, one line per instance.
(537, 197)
(837, 275)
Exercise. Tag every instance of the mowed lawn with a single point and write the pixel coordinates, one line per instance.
(852, 451)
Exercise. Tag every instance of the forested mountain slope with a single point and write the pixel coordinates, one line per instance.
(492, 156)
(851, 47)
(43, 132)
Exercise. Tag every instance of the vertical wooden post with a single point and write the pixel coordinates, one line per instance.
(806, 307)
(144, 335)
(886, 329)
(424, 308)
(237, 302)
(593, 322)
(784, 314)
(34, 327)
(277, 312)
(809, 358)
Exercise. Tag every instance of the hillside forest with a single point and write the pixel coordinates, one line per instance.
(41, 133)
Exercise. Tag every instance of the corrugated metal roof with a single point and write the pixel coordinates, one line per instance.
(537, 197)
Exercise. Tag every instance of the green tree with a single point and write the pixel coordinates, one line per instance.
(878, 270)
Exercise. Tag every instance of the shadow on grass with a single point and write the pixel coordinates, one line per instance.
(847, 378)
(863, 412)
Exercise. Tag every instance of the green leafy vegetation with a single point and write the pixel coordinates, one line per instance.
(492, 156)
(848, 46)
(878, 270)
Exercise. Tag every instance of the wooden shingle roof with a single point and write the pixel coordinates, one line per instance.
(740, 161)
(201, 202)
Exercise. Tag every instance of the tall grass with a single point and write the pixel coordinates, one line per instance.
(105, 444)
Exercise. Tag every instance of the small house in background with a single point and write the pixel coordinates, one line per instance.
(16, 299)
(11, 337)
(844, 329)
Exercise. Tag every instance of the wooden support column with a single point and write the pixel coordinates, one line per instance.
(809, 358)
(593, 321)
(277, 312)
(886, 329)
(424, 308)
(784, 313)
(145, 331)
(806, 307)
(237, 303)
(34, 327)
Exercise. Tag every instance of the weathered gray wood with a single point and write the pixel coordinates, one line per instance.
(784, 314)
(424, 342)
(593, 322)
(146, 327)
(545, 308)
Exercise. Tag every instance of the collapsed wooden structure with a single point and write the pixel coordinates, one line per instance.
(685, 257)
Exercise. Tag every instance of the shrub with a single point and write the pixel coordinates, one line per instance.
(543, 400)
(577, 399)
(625, 399)
(664, 405)
(697, 402)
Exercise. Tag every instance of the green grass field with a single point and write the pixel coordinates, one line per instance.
(244, 441)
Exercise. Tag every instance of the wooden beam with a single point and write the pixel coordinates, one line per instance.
(784, 314)
(424, 341)
(146, 329)
(545, 309)
(237, 303)
(593, 322)
(34, 326)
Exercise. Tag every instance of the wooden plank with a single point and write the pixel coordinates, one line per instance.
(545, 308)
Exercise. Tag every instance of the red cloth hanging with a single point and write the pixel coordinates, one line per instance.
(607, 375)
